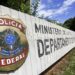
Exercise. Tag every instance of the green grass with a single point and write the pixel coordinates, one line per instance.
(70, 69)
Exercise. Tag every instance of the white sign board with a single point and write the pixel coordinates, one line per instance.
(48, 42)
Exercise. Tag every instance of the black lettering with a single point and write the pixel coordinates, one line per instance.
(46, 46)
(37, 28)
(40, 47)
(51, 44)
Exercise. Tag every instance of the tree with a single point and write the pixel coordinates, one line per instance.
(34, 6)
(70, 24)
(3, 2)
(20, 5)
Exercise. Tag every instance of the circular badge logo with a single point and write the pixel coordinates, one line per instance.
(13, 44)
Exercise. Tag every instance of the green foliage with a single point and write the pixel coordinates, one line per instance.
(70, 24)
(20, 5)
(70, 69)
(25, 7)
(13, 4)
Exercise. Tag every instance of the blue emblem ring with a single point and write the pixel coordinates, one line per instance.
(10, 39)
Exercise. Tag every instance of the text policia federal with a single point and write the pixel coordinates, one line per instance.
(50, 45)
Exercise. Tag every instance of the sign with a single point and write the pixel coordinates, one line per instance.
(13, 44)
(46, 42)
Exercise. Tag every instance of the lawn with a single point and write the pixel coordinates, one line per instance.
(70, 69)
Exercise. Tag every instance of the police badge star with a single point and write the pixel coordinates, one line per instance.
(13, 44)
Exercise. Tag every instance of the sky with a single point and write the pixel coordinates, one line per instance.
(59, 10)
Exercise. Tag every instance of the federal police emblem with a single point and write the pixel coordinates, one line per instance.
(13, 44)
